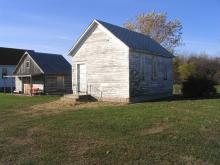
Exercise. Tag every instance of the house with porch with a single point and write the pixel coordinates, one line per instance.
(9, 58)
(43, 73)
(111, 63)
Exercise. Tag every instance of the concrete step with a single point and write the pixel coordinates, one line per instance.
(69, 97)
(79, 98)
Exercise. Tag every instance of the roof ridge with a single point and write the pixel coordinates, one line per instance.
(139, 33)
(50, 54)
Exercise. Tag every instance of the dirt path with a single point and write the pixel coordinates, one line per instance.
(61, 106)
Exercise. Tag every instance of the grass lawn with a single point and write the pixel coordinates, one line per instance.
(163, 132)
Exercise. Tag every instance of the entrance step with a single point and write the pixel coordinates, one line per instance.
(79, 98)
(69, 97)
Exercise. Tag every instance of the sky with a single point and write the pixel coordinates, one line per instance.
(53, 26)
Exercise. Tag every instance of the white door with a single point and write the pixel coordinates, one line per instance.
(81, 78)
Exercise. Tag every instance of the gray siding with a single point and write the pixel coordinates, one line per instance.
(23, 70)
(106, 61)
(49, 81)
(50, 85)
(8, 82)
(142, 86)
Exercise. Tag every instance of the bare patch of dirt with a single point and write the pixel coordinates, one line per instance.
(189, 160)
(28, 139)
(208, 133)
(157, 128)
(83, 147)
(61, 106)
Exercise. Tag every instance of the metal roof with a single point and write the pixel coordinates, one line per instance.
(136, 41)
(51, 63)
(10, 56)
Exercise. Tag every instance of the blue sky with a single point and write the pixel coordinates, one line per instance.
(54, 25)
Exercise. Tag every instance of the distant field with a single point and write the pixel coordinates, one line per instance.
(165, 132)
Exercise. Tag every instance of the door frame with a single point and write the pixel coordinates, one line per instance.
(77, 83)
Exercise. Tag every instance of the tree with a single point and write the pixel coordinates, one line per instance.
(156, 25)
(186, 70)
(176, 74)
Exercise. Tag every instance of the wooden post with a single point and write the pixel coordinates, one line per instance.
(22, 86)
(4, 85)
(11, 85)
(31, 84)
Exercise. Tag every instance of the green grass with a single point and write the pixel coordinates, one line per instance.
(165, 132)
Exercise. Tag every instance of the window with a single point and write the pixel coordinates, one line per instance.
(165, 72)
(142, 65)
(27, 64)
(154, 68)
(4, 72)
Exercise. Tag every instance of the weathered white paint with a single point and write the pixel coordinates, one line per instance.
(106, 61)
(18, 85)
(143, 85)
(119, 73)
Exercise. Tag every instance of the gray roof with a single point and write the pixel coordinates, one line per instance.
(10, 56)
(51, 63)
(136, 41)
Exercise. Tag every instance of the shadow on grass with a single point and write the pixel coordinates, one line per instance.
(180, 97)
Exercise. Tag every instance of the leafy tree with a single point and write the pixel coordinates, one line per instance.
(198, 87)
(186, 70)
(157, 26)
(176, 74)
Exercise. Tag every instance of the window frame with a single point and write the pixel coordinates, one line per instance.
(154, 69)
(27, 66)
(60, 79)
(165, 73)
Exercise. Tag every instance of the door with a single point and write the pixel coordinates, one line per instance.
(60, 82)
(81, 78)
(27, 89)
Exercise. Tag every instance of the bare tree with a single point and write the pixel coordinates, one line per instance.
(156, 25)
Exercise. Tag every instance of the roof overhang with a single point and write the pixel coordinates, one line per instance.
(151, 53)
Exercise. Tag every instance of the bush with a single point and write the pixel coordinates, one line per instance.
(198, 87)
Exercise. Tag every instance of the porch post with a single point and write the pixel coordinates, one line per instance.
(31, 84)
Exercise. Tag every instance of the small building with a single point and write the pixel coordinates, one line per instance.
(42, 73)
(9, 58)
(112, 63)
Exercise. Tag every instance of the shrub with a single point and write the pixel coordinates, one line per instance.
(198, 87)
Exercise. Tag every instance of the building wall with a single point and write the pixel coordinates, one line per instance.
(106, 61)
(142, 85)
(50, 84)
(32, 70)
(18, 85)
(7, 82)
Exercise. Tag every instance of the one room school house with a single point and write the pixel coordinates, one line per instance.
(112, 63)
(41, 73)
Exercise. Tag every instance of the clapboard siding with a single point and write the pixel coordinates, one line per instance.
(50, 84)
(106, 61)
(141, 82)
(32, 70)
(35, 75)
(7, 82)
